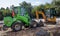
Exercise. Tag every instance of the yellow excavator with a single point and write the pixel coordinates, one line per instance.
(49, 15)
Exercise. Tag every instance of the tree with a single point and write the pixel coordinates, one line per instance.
(2, 8)
(27, 6)
(7, 10)
(38, 8)
(47, 5)
(56, 4)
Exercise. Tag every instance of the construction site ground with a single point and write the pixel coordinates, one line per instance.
(48, 30)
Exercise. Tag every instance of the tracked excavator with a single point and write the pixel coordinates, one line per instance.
(48, 15)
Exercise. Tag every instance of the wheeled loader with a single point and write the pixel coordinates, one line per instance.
(20, 17)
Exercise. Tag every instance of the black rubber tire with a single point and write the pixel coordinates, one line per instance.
(15, 29)
(5, 28)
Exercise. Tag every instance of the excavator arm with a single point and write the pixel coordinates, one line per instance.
(40, 12)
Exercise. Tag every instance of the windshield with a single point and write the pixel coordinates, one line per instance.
(20, 10)
(23, 11)
(48, 13)
(16, 11)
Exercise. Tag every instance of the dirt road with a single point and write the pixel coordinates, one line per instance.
(54, 29)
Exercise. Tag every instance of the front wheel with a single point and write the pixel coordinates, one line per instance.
(17, 26)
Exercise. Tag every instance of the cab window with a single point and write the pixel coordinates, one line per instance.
(22, 11)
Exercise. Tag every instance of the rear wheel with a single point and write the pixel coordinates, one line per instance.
(17, 26)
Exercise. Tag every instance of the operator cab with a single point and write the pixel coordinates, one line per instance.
(22, 11)
(50, 13)
(19, 10)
